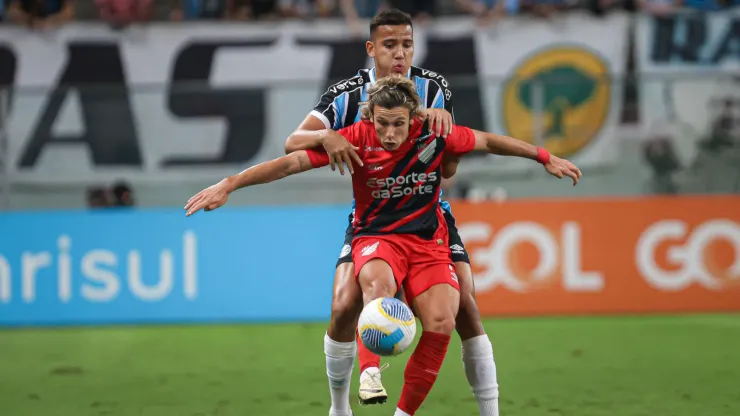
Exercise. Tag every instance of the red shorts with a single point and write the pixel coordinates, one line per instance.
(417, 264)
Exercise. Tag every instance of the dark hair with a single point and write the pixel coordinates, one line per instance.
(98, 197)
(123, 194)
(391, 92)
(391, 17)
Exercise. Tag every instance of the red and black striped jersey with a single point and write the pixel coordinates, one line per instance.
(397, 192)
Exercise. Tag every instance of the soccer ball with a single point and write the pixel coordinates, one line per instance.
(387, 326)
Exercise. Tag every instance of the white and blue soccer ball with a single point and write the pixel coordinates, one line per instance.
(387, 326)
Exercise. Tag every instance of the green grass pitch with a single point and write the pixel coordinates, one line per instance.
(594, 366)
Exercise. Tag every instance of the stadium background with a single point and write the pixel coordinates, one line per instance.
(618, 296)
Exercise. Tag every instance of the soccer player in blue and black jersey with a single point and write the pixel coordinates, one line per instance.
(392, 48)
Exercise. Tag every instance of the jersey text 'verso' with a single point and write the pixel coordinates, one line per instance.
(339, 106)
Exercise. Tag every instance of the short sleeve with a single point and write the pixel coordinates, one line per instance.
(325, 110)
(461, 140)
(354, 133)
(332, 106)
(442, 97)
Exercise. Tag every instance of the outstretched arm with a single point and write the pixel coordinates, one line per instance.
(503, 145)
(270, 171)
(216, 195)
(508, 146)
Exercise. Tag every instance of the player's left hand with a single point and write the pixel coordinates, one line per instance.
(560, 167)
(213, 197)
(440, 121)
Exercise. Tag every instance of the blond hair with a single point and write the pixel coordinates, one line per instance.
(391, 92)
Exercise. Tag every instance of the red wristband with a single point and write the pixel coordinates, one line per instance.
(543, 156)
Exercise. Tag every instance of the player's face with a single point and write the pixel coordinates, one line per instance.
(392, 126)
(392, 48)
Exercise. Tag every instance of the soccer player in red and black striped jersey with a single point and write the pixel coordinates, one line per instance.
(391, 46)
(400, 231)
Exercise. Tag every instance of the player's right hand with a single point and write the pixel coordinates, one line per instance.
(340, 152)
(213, 197)
(560, 167)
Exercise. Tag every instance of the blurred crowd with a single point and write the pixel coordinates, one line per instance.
(51, 13)
(119, 195)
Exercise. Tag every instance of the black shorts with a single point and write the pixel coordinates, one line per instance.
(457, 248)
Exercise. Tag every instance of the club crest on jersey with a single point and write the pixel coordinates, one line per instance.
(427, 154)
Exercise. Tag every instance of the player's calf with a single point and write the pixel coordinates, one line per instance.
(477, 351)
(468, 322)
(340, 346)
(437, 308)
(340, 359)
(377, 281)
(346, 308)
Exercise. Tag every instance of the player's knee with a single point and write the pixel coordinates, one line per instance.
(437, 308)
(377, 288)
(440, 321)
(347, 294)
(347, 302)
(376, 280)
(345, 311)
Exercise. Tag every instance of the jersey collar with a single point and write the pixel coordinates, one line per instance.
(373, 79)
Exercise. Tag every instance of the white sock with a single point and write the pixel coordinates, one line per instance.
(400, 412)
(340, 360)
(480, 369)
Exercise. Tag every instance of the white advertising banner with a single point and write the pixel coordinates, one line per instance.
(174, 102)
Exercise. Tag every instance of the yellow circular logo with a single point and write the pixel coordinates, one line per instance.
(571, 86)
